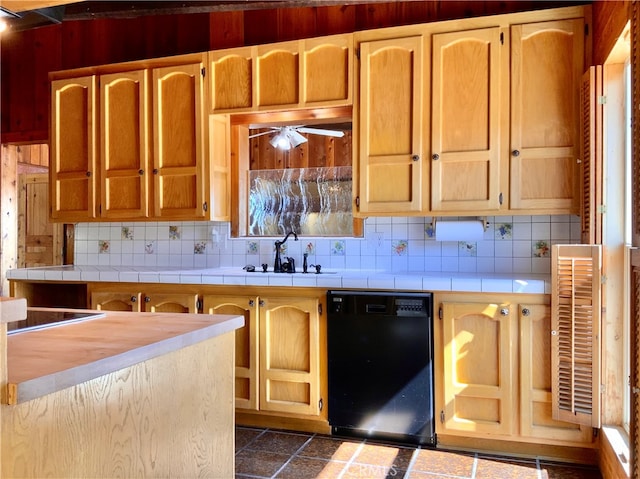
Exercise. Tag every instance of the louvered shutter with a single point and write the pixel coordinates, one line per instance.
(591, 154)
(575, 340)
(634, 307)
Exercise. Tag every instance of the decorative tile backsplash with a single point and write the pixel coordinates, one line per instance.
(511, 244)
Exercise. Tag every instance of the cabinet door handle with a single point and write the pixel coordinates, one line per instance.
(435, 157)
(141, 172)
(515, 152)
(133, 299)
(252, 303)
(261, 303)
(147, 299)
(525, 312)
(155, 171)
(504, 312)
(415, 157)
(88, 173)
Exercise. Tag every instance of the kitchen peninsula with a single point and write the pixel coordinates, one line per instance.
(119, 396)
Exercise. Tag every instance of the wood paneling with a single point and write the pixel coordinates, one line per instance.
(28, 56)
(609, 19)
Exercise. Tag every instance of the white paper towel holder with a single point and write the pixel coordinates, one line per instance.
(485, 222)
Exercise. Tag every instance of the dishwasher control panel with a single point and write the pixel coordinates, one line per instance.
(411, 307)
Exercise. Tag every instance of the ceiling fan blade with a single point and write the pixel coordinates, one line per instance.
(319, 131)
(260, 134)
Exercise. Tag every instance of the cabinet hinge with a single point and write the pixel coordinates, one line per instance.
(203, 71)
(440, 313)
(601, 209)
(442, 416)
(320, 309)
(501, 38)
(595, 432)
(320, 404)
(358, 201)
(500, 198)
(358, 53)
(205, 207)
(586, 29)
(603, 279)
(602, 100)
(199, 305)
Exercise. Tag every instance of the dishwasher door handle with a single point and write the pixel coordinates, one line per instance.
(376, 308)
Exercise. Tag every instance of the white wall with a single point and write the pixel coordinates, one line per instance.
(511, 244)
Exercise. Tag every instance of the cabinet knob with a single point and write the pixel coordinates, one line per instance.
(133, 299)
(141, 172)
(525, 312)
(415, 157)
(252, 303)
(515, 153)
(504, 312)
(88, 173)
(435, 157)
(261, 302)
(147, 299)
(155, 171)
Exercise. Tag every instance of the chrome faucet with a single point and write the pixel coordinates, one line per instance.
(277, 263)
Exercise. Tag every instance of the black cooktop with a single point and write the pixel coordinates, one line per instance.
(42, 318)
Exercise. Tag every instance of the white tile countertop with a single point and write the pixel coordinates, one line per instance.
(344, 279)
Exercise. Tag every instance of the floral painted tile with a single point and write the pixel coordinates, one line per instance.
(338, 248)
(126, 233)
(430, 231)
(541, 249)
(467, 249)
(103, 246)
(400, 247)
(252, 247)
(149, 247)
(504, 230)
(310, 248)
(199, 247)
(283, 248)
(174, 232)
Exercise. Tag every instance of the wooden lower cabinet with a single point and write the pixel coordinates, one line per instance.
(493, 370)
(280, 353)
(125, 298)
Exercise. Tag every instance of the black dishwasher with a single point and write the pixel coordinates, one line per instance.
(380, 365)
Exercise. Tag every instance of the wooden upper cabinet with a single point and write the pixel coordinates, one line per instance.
(468, 99)
(391, 169)
(546, 69)
(179, 142)
(73, 187)
(326, 71)
(276, 75)
(230, 79)
(125, 144)
(282, 76)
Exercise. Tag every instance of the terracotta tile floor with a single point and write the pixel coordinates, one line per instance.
(269, 453)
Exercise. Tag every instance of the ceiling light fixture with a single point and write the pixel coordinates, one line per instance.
(287, 138)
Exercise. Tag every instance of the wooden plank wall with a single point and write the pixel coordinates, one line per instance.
(609, 19)
(28, 56)
(8, 214)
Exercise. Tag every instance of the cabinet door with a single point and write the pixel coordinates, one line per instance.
(325, 79)
(467, 107)
(535, 380)
(546, 68)
(246, 372)
(231, 79)
(179, 143)
(479, 393)
(72, 168)
(391, 115)
(290, 355)
(124, 159)
(276, 75)
(171, 303)
(116, 301)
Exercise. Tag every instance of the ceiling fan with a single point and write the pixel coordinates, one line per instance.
(287, 137)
